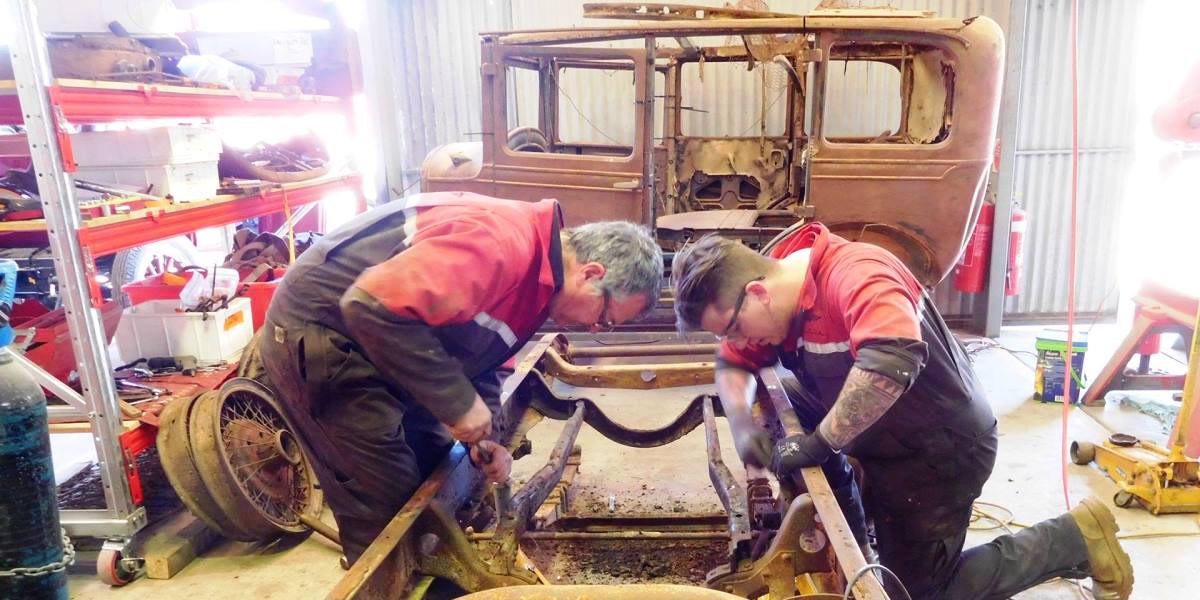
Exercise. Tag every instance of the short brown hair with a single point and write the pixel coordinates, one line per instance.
(712, 271)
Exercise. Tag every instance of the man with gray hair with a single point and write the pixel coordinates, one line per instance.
(384, 339)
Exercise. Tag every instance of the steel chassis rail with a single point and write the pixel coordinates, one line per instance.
(427, 535)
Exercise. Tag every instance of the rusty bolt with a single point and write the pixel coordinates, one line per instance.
(428, 544)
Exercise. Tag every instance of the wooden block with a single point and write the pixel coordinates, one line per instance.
(173, 544)
(75, 426)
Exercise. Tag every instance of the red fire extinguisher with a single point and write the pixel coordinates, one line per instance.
(1016, 252)
(970, 274)
(971, 270)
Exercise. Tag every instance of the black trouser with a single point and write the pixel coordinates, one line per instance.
(370, 444)
(920, 498)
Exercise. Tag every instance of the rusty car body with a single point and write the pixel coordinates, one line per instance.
(913, 187)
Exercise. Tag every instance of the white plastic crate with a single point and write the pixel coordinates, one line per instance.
(154, 146)
(259, 48)
(185, 182)
(154, 328)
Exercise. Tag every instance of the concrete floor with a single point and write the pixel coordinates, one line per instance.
(1026, 482)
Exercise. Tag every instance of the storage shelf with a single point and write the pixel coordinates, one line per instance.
(106, 235)
(83, 101)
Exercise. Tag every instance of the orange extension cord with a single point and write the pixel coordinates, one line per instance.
(1069, 375)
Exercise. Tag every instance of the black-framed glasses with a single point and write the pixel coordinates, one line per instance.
(737, 307)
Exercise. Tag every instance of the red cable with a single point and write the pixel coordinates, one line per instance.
(1068, 376)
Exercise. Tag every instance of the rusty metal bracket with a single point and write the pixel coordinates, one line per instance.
(545, 401)
(443, 550)
(732, 496)
(800, 547)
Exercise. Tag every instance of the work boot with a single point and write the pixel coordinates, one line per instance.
(1112, 573)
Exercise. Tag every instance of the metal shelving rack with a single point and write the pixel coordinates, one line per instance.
(46, 106)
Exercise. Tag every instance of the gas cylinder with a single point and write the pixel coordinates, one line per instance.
(32, 561)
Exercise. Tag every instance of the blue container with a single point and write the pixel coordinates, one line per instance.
(1051, 373)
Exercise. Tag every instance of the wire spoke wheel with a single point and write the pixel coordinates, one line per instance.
(262, 456)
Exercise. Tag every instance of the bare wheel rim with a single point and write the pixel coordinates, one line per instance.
(264, 457)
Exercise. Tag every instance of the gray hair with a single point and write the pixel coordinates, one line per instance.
(631, 257)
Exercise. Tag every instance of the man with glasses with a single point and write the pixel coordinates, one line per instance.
(384, 338)
(878, 376)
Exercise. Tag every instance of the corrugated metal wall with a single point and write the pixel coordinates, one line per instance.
(436, 63)
(1043, 152)
(440, 65)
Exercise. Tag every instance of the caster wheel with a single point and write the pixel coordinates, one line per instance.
(1082, 453)
(110, 567)
(1124, 499)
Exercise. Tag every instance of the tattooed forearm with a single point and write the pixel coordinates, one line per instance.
(864, 398)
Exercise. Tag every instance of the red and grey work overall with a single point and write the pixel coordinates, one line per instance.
(390, 325)
(925, 461)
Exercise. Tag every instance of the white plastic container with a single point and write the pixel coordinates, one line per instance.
(202, 286)
(260, 48)
(155, 146)
(185, 182)
(155, 328)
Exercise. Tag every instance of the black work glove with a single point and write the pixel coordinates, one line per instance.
(753, 447)
(799, 451)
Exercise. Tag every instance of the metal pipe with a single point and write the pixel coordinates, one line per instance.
(104, 189)
(635, 376)
(611, 535)
(321, 527)
(632, 350)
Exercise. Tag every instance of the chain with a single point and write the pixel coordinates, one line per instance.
(67, 560)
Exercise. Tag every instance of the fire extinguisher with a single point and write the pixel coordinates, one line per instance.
(1016, 252)
(971, 271)
(970, 274)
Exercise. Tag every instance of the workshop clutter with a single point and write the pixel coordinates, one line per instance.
(160, 328)
(277, 58)
(170, 286)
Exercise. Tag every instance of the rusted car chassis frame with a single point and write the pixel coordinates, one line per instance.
(767, 551)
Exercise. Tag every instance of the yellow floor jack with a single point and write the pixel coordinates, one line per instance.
(1160, 479)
